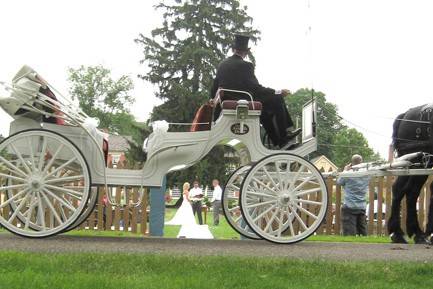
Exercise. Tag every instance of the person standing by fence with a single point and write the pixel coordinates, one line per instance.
(216, 201)
(196, 197)
(355, 192)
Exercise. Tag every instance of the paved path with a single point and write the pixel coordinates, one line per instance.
(303, 250)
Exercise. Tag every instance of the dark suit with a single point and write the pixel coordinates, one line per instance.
(237, 74)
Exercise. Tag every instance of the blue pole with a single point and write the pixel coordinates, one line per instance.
(157, 210)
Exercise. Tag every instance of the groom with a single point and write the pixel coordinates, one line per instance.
(196, 197)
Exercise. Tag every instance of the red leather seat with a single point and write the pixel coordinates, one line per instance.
(203, 118)
(232, 104)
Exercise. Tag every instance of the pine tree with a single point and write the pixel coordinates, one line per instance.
(182, 56)
(183, 53)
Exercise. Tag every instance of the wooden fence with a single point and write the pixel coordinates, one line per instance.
(127, 217)
(378, 209)
(133, 219)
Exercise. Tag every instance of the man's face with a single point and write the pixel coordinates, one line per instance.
(215, 183)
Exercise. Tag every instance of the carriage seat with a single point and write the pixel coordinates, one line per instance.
(232, 104)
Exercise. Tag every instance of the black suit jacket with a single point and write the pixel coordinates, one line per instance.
(235, 73)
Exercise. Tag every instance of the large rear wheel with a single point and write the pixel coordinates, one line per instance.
(44, 183)
(284, 198)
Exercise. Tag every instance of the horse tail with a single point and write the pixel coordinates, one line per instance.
(395, 128)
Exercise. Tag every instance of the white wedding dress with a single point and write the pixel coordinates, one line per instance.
(190, 230)
(184, 215)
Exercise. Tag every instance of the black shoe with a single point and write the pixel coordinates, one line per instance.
(398, 239)
(294, 133)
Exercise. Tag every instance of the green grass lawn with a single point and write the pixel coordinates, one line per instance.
(224, 231)
(37, 270)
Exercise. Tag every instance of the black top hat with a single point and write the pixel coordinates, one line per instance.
(241, 42)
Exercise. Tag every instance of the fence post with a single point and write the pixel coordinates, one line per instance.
(338, 210)
(143, 220)
(126, 210)
(109, 211)
(117, 209)
(379, 206)
(101, 207)
(134, 211)
(330, 186)
(388, 200)
(371, 206)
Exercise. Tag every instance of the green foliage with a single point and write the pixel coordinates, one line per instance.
(328, 122)
(348, 142)
(100, 96)
(336, 141)
(109, 100)
(182, 56)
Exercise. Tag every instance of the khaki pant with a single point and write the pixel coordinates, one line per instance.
(216, 207)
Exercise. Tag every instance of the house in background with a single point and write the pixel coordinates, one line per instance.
(324, 164)
(118, 145)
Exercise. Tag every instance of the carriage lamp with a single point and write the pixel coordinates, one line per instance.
(242, 109)
(242, 113)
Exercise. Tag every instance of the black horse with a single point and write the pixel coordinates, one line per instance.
(412, 132)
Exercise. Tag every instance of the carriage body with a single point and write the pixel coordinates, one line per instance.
(52, 166)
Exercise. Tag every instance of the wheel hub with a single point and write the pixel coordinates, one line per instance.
(285, 198)
(35, 183)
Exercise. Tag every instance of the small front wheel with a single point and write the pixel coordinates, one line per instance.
(230, 203)
(284, 198)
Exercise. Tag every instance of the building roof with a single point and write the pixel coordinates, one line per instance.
(324, 164)
(119, 143)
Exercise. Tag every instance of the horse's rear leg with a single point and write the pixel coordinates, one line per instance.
(412, 193)
(394, 226)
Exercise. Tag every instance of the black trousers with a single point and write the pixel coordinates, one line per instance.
(354, 222)
(196, 209)
(275, 117)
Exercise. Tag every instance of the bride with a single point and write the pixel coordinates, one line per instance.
(184, 215)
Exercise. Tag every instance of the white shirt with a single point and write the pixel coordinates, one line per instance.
(217, 193)
(195, 192)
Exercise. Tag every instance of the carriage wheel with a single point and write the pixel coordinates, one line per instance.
(230, 203)
(44, 183)
(284, 198)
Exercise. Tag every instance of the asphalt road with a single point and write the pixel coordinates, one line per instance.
(303, 250)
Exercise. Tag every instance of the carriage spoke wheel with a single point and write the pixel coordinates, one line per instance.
(230, 203)
(44, 183)
(284, 198)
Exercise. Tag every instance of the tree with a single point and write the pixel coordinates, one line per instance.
(101, 96)
(183, 53)
(182, 56)
(348, 142)
(109, 100)
(336, 141)
(328, 121)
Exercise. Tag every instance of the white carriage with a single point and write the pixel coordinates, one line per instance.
(49, 168)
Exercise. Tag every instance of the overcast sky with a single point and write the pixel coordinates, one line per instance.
(373, 58)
